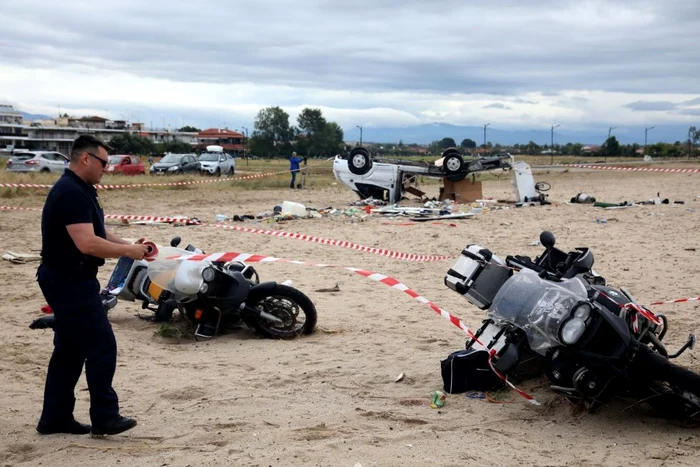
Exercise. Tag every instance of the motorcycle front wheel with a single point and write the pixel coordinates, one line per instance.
(295, 310)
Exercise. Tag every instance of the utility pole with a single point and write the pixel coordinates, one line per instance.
(358, 126)
(690, 142)
(606, 141)
(485, 136)
(245, 150)
(551, 147)
(646, 130)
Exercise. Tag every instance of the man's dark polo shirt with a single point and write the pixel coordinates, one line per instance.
(70, 201)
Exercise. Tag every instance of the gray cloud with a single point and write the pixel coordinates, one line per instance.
(651, 106)
(496, 105)
(378, 45)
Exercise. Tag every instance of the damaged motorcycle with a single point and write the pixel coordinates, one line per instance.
(212, 295)
(555, 315)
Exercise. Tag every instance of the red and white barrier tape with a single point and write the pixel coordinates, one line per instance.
(678, 300)
(151, 185)
(340, 243)
(168, 220)
(631, 169)
(375, 276)
(275, 233)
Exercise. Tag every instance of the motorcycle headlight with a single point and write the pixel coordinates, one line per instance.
(572, 330)
(174, 168)
(582, 311)
(208, 274)
(204, 288)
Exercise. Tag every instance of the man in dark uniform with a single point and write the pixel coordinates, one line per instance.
(74, 245)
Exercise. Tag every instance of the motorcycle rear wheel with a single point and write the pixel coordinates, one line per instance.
(293, 307)
(675, 390)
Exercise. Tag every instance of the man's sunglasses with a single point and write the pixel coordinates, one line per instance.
(102, 161)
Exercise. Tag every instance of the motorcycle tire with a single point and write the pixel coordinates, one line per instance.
(288, 304)
(165, 311)
(675, 390)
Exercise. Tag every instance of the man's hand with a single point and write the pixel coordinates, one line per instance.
(136, 251)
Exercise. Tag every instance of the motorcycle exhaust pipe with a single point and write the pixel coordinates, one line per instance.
(260, 313)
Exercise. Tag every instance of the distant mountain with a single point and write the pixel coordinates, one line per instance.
(426, 133)
(28, 116)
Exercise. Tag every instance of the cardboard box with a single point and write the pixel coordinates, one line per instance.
(462, 191)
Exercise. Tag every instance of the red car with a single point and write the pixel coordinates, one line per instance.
(125, 165)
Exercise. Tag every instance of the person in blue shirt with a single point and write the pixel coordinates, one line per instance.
(294, 162)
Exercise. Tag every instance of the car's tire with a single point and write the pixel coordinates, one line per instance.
(359, 161)
(218, 172)
(45, 170)
(453, 167)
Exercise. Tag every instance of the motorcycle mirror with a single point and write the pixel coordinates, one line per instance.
(175, 241)
(547, 239)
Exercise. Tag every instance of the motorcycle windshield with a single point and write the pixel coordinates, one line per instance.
(537, 306)
(181, 277)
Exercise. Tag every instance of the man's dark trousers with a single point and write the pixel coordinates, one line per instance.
(83, 335)
(294, 177)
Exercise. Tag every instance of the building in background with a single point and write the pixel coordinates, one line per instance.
(58, 134)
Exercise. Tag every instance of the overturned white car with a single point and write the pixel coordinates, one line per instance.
(386, 179)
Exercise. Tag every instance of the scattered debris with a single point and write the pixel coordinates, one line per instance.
(399, 378)
(583, 198)
(20, 258)
(335, 288)
(437, 399)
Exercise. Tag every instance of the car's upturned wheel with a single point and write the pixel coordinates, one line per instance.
(453, 167)
(359, 161)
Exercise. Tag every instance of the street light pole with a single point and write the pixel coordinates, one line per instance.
(358, 126)
(485, 136)
(646, 130)
(551, 147)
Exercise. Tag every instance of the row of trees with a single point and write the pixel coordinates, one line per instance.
(133, 144)
(313, 136)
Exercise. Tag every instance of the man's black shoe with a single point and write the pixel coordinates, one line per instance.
(114, 427)
(72, 427)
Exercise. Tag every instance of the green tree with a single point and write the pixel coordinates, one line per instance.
(611, 147)
(190, 129)
(316, 136)
(127, 143)
(447, 143)
(468, 143)
(311, 121)
(272, 134)
(532, 148)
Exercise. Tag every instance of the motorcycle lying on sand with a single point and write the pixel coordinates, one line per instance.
(556, 315)
(212, 295)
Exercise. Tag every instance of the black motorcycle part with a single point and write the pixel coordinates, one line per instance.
(468, 370)
(294, 308)
(165, 311)
(228, 290)
(45, 322)
(675, 390)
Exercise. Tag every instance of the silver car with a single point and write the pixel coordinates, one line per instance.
(37, 161)
(217, 163)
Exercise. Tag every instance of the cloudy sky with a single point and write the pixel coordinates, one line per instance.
(517, 64)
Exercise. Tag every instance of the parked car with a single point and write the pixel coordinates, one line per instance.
(37, 161)
(126, 165)
(175, 164)
(216, 162)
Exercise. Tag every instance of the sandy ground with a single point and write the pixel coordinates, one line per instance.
(331, 398)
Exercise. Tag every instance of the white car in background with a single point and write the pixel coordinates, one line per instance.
(216, 162)
(37, 161)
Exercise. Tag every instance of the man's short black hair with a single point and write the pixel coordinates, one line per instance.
(87, 143)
